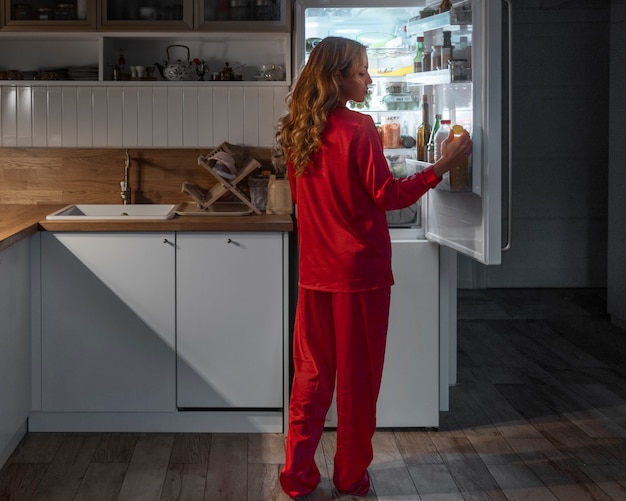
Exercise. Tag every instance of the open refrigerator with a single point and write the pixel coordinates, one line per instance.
(467, 220)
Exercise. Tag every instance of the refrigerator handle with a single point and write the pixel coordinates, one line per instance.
(509, 205)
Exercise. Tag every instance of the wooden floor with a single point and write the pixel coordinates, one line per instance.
(539, 413)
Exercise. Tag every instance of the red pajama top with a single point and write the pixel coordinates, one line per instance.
(341, 200)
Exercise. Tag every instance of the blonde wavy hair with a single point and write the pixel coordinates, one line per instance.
(315, 94)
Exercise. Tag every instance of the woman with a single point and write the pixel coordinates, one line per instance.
(342, 187)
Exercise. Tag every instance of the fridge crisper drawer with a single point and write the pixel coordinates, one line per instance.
(408, 217)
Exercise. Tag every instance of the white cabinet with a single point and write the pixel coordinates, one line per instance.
(107, 322)
(15, 345)
(230, 320)
(409, 394)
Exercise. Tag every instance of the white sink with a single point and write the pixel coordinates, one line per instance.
(131, 212)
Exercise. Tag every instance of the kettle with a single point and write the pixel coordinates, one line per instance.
(179, 70)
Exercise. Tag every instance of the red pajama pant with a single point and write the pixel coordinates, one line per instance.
(342, 336)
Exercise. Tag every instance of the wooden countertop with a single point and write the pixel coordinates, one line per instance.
(22, 220)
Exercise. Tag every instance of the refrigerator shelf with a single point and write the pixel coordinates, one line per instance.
(433, 78)
(448, 20)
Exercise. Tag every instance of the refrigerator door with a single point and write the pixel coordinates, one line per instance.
(470, 222)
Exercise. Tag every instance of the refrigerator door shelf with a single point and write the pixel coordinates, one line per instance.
(415, 27)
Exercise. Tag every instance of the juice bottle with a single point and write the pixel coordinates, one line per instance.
(459, 175)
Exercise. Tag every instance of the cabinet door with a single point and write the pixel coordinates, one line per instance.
(107, 326)
(230, 320)
(15, 343)
(46, 15)
(146, 15)
(243, 15)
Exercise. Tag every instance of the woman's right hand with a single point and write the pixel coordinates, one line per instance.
(455, 151)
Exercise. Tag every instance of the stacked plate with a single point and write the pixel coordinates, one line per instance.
(88, 72)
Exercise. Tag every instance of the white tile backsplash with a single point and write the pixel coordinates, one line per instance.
(8, 116)
(39, 96)
(139, 117)
(25, 116)
(55, 117)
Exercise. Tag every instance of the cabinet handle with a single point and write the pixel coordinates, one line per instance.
(231, 241)
(166, 241)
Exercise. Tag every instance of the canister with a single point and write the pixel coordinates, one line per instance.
(391, 132)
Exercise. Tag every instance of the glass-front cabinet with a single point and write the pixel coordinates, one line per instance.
(146, 14)
(242, 15)
(49, 14)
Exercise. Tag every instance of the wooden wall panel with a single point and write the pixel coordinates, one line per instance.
(93, 175)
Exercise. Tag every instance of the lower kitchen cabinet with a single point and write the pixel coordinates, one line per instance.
(409, 393)
(15, 345)
(136, 328)
(107, 322)
(230, 320)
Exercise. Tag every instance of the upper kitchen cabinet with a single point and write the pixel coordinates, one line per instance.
(48, 15)
(243, 15)
(148, 15)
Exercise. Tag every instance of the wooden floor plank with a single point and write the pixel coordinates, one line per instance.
(469, 472)
(417, 448)
(147, 468)
(227, 475)
(491, 446)
(519, 483)
(68, 468)
(191, 448)
(266, 448)
(20, 480)
(102, 482)
(263, 483)
(611, 479)
(555, 470)
(184, 482)
(116, 447)
(38, 448)
(389, 475)
(434, 482)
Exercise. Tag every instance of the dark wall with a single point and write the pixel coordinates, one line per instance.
(560, 97)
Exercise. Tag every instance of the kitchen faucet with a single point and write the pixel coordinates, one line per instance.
(125, 193)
